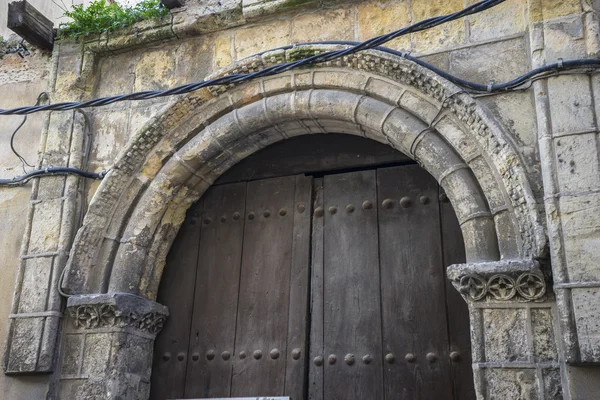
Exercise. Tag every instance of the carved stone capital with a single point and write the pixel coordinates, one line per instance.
(117, 310)
(507, 280)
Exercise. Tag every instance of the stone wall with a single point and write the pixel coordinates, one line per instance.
(552, 125)
(21, 81)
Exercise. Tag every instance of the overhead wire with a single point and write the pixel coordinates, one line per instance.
(519, 83)
(373, 43)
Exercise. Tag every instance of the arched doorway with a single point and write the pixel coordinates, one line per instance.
(315, 268)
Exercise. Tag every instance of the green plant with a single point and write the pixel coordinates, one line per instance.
(101, 16)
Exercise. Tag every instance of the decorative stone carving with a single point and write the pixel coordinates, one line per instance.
(117, 310)
(501, 280)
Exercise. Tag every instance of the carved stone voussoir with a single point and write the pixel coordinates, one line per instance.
(117, 310)
(512, 280)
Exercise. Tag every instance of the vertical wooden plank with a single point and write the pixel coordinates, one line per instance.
(413, 292)
(352, 309)
(212, 333)
(457, 309)
(315, 381)
(297, 335)
(175, 291)
(262, 322)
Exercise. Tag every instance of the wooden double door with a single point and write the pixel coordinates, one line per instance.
(316, 288)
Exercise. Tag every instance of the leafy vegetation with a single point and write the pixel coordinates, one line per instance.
(101, 16)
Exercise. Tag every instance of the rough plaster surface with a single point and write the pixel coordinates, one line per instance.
(200, 39)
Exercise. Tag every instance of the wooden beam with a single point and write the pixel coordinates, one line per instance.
(170, 4)
(27, 22)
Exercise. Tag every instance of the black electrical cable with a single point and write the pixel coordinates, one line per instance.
(12, 137)
(23, 179)
(269, 71)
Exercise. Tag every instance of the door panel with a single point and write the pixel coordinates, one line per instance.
(352, 309)
(212, 331)
(412, 290)
(177, 291)
(264, 300)
(260, 271)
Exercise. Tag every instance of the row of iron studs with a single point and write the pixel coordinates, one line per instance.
(349, 359)
(404, 202)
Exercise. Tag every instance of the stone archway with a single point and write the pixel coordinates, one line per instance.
(117, 259)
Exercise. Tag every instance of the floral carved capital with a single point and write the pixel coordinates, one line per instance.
(117, 311)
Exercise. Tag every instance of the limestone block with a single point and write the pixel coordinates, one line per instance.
(577, 163)
(24, 345)
(71, 350)
(249, 41)
(439, 60)
(581, 228)
(96, 354)
(376, 18)
(193, 60)
(511, 384)
(552, 384)
(544, 344)
(111, 132)
(549, 9)
(515, 111)
(51, 187)
(59, 132)
(116, 72)
(505, 335)
(36, 283)
(310, 27)
(444, 36)
(586, 307)
(499, 61)
(564, 38)
(45, 227)
(155, 70)
(508, 18)
(223, 50)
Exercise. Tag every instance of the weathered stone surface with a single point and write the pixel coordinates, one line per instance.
(444, 36)
(499, 61)
(549, 9)
(544, 341)
(577, 163)
(508, 18)
(249, 41)
(511, 384)
(505, 332)
(381, 17)
(305, 26)
(586, 305)
(564, 38)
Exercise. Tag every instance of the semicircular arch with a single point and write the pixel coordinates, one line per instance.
(178, 154)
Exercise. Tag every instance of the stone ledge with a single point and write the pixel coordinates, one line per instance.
(505, 280)
(117, 310)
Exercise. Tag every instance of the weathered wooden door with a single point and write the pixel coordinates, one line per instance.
(324, 288)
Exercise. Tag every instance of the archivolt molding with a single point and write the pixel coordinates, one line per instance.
(138, 208)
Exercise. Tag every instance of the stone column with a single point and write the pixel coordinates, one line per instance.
(512, 330)
(107, 346)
